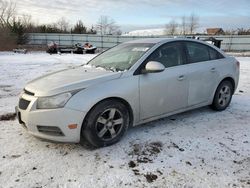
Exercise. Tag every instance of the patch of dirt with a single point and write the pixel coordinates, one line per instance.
(228, 148)
(176, 146)
(136, 172)
(8, 117)
(145, 153)
(247, 182)
(7, 90)
(188, 163)
(144, 160)
(132, 164)
(160, 172)
(150, 177)
(247, 160)
(5, 86)
(242, 171)
(15, 156)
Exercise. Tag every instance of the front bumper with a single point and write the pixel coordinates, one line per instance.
(33, 119)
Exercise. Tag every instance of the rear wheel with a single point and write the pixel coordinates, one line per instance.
(223, 96)
(106, 123)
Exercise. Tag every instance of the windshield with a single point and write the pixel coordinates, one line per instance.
(121, 57)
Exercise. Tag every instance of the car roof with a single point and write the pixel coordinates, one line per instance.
(163, 40)
(150, 40)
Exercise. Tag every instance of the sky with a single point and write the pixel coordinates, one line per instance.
(140, 14)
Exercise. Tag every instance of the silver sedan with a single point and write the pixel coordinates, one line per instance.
(130, 84)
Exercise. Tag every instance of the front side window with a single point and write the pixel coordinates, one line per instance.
(197, 52)
(168, 54)
(121, 57)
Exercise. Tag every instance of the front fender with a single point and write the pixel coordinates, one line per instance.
(124, 88)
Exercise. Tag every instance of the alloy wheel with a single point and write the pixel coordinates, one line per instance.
(109, 124)
(224, 95)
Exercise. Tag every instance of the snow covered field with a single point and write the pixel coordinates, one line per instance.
(200, 148)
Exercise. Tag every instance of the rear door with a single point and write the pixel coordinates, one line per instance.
(202, 72)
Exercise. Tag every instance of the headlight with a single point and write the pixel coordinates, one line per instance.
(56, 101)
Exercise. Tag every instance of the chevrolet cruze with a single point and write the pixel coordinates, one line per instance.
(130, 84)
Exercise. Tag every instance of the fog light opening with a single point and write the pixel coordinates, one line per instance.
(50, 130)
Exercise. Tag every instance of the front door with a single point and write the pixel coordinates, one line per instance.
(167, 91)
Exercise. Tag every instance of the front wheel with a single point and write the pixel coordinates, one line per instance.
(223, 96)
(106, 123)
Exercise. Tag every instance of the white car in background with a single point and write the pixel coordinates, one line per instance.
(130, 84)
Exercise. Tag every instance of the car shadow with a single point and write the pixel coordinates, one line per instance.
(177, 117)
(169, 121)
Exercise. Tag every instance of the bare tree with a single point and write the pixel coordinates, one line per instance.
(7, 13)
(26, 20)
(7, 18)
(193, 23)
(106, 26)
(183, 25)
(118, 32)
(113, 29)
(230, 32)
(243, 31)
(171, 27)
(101, 25)
(7, 40)
(92, 30)
(62, 24)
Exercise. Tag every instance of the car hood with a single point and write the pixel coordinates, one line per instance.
(69, 80)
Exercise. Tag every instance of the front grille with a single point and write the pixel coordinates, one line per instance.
(28, 92)
(23, 104)
(50, 130)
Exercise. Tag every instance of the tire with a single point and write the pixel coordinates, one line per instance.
(223, 96)
(106, 123)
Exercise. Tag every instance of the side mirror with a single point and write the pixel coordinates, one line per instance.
(153, 67)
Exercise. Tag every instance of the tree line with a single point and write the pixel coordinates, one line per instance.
(187, 26)
(13, 27)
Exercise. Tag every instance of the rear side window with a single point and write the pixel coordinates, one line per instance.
(214, 54)
(197, 52)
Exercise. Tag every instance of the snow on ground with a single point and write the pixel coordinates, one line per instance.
(147, 32)
(239, 54)
(199, 148)
(18, 69)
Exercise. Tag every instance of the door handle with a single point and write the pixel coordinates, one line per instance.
(213, 69)
(182, 77)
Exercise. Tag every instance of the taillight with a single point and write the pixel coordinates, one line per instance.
(238, 64)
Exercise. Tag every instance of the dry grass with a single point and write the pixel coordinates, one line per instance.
(7, 40)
